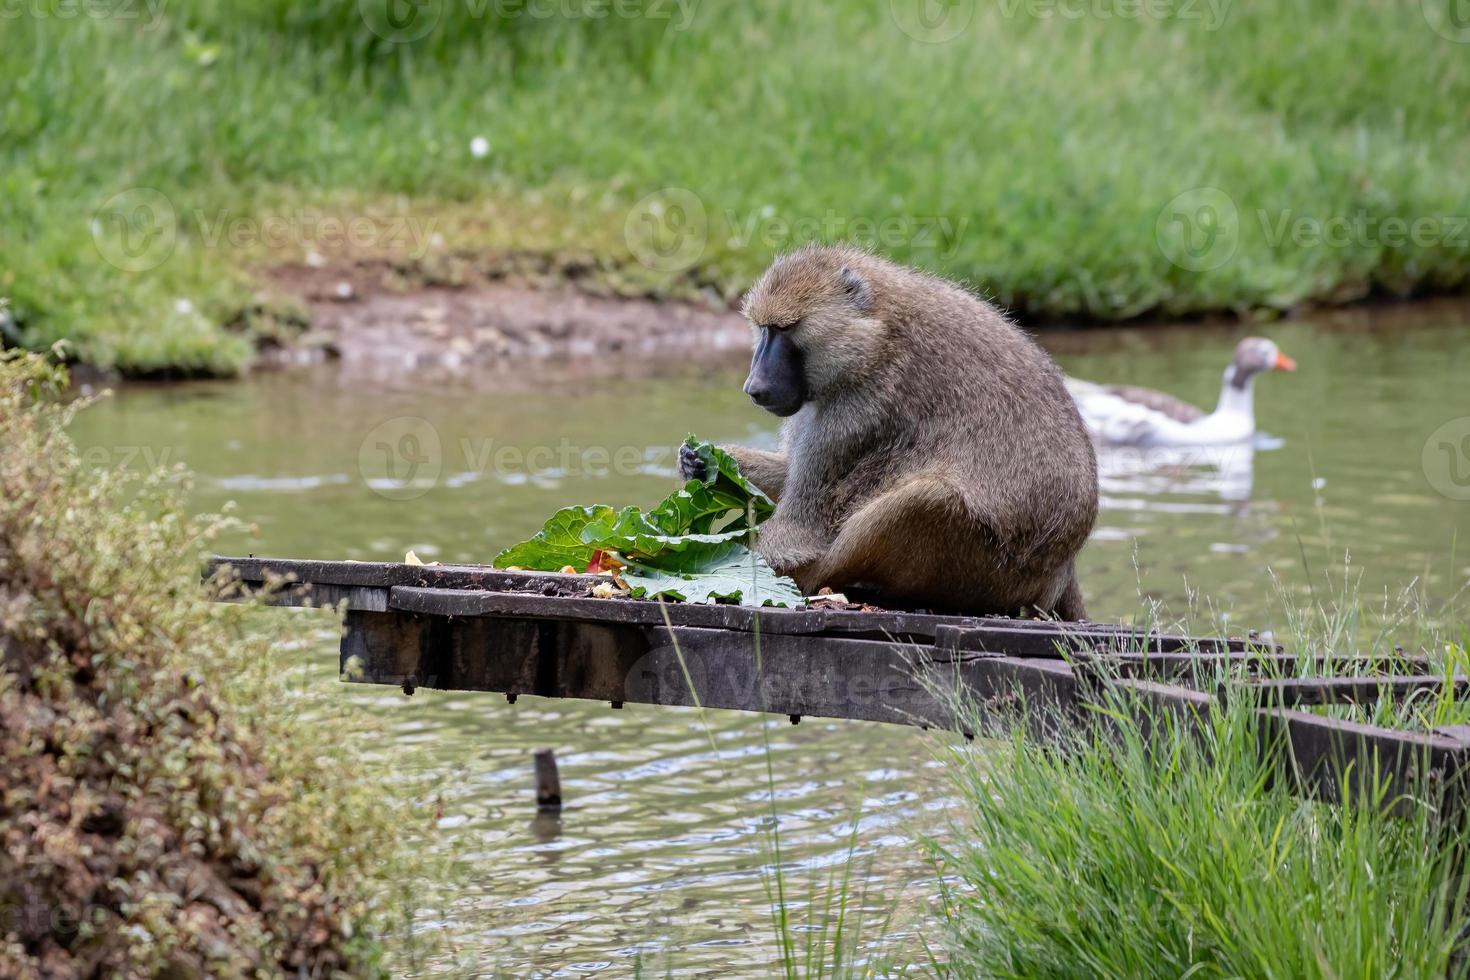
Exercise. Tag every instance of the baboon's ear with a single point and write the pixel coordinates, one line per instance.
(858, 292)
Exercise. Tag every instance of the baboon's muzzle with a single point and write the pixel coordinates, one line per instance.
(777, 382)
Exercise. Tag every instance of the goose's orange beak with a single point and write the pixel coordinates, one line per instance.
(1284, 363)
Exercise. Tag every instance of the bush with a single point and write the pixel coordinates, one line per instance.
(158, 814)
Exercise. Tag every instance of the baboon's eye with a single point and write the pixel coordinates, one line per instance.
(784, 327)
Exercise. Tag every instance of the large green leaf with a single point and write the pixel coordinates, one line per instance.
(743, 578)
(673, 550)
(559, 542)
(723, 478)
(640, 542)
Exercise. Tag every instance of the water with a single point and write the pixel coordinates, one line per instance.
(658, 857)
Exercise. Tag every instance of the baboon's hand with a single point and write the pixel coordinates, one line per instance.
(691, 467)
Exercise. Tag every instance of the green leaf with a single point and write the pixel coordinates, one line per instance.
(660, 541)
(559, 542)
(674, 549)
(743, 578)
(722, 476)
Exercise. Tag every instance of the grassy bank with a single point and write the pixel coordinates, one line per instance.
(1072, 160)
(161, 811)
(1152, 851)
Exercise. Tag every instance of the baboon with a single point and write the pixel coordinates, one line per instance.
(930, 457)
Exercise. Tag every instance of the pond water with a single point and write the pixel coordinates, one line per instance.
(658, 858)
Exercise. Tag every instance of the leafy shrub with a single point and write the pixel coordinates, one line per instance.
(158, 814)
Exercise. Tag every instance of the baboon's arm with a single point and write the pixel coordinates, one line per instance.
(766, 470)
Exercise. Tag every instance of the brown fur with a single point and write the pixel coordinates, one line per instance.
(938, 462)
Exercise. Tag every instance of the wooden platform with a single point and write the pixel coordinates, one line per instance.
(481, 629)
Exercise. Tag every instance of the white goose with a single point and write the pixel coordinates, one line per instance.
(1123, 415)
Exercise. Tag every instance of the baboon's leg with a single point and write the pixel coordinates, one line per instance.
(1070, 606)
(766, 470)
(918, 542)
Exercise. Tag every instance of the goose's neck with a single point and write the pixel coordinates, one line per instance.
(1236, 399)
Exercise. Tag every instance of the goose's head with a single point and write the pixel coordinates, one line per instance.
(1253, 355)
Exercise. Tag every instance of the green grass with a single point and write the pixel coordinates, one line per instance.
(1035, 156)
(1141, 849)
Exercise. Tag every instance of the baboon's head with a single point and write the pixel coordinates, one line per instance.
(815, 331)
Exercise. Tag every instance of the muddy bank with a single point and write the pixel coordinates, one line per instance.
(523, 325)
(375, 327)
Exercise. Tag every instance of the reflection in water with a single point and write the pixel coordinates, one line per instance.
(1130, 476)
(659, 853)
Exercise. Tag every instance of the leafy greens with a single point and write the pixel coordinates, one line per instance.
(679, 549)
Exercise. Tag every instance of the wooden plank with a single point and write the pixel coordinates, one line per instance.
(630, 663)
(555, 596)
(1035, 638)
(1066, 639)
(1353, 690)
(1204, 667)
(1335, 759)
(870, 680)
(385, 575)
(902, 626)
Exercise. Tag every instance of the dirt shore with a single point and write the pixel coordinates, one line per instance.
(358, 315)
(522, 326)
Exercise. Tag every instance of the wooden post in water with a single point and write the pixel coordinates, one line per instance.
(548, 782)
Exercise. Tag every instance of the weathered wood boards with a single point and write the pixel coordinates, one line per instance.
(481, 629)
